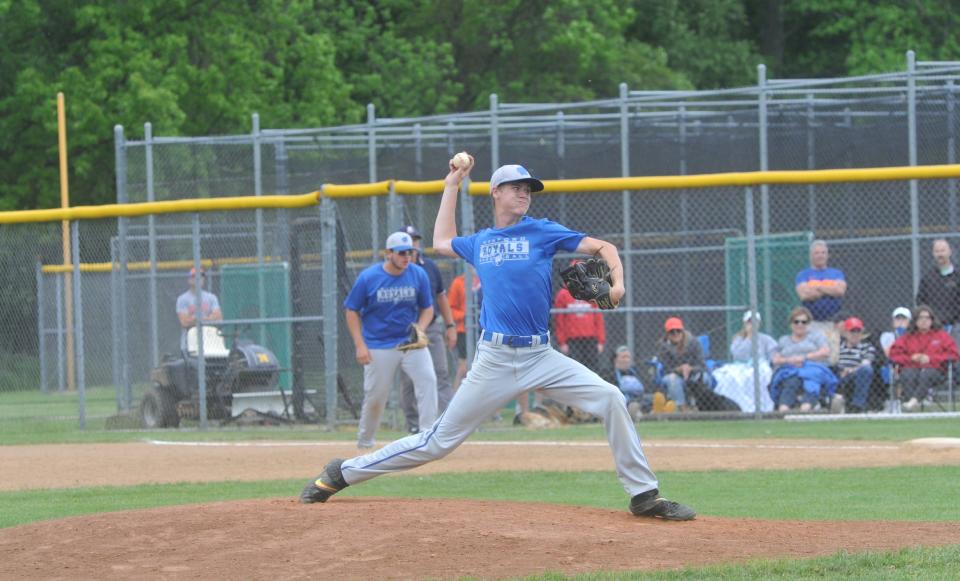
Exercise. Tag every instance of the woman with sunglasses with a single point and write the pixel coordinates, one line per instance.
(921, 354)
(802, 377)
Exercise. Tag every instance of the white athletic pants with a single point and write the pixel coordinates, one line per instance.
(498, 375)
(378, 379)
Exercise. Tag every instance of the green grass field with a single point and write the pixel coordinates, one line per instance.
(854, 494)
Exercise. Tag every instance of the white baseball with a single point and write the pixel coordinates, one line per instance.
(461, 160)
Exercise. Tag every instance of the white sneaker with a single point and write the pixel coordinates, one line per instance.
(912, 405)
(837, 404)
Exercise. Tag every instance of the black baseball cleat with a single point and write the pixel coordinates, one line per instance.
(651, 504)
(326, 485)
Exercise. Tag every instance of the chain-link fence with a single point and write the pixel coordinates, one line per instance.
(685, 249)
(279, 275)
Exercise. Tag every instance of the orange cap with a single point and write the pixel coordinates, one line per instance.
(673, 323)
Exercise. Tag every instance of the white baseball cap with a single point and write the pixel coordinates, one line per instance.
(399, 241)
(902, 312)
(506, 174)
(746, 316)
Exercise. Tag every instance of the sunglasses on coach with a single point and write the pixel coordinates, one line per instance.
(801, 322)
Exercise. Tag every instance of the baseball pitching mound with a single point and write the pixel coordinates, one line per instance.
(385, 538)
(936, 442)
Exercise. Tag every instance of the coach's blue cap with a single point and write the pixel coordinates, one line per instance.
(399, 241)
(507, 174)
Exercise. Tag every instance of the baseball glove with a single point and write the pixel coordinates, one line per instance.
(590, 280)
(416, 340)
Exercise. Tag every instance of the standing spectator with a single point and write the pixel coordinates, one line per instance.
(922, 352)
(940, 288)
(900, 320)
(442, 334)
(684, 369)
(801, 376)
(855, 367)
(581, 334)
(458, 307)
(821, 290)
(385, 300)
(187, 306)
(735, 379)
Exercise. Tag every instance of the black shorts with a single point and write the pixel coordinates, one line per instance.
(462, 345)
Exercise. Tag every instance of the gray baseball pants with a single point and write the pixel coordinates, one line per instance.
(378, 378)
(438, 352)
(500, 374)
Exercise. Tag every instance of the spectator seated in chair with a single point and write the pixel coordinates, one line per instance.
(854, 368)
(734, 380)
(921, 354)
(801, 378)
(626, 377)
(686, 378)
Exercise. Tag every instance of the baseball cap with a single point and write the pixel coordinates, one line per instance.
(746, 316)
(902, 312)
(399, 241)
(673, 323)
(412, 231)
(853, 324)
(506, 174)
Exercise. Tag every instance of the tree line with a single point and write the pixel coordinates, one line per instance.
(201, 67)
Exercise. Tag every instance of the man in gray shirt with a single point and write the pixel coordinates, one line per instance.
(187, 306)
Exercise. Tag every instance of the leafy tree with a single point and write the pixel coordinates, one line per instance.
(190, 67)
(708, 41)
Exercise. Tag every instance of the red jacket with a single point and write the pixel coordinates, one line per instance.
(937, 345)
(586, 324)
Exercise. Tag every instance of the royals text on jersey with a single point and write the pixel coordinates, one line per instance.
(503, 249)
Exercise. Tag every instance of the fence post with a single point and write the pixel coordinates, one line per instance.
(61, 355)
(494, 133)
(258, 191)
(120, 145)
(561, 165)
(951, 156)
(752, 284)
(152, 241)
(912, 146)
(78, 322)
(115, 326)
(764, 191)
(328, 237)
(41, 325)
(627, 219)
(198, 301)
(811, 164)
(372, 159)
(418, 175)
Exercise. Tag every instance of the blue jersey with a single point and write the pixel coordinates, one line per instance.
(515, 265)
(826, 306)
(388, 304)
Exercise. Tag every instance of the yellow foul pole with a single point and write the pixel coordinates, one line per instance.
(67, 276)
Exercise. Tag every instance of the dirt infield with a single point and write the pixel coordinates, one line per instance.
(363, 538)
(75, 465)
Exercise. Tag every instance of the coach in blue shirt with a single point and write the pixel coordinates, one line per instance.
(385, 300)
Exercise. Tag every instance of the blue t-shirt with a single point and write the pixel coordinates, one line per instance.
(515, 266)
(388, 304)
(824, 307)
